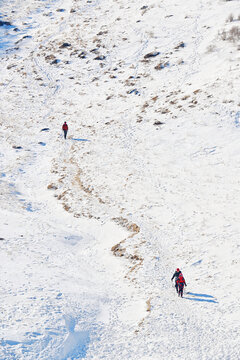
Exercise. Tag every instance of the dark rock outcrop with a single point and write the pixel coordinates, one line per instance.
(151, 54)
(65, 45)
(5, 23)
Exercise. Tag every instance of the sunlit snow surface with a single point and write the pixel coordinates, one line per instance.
(167, 193)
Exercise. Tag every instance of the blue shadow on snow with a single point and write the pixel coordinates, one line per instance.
(9, 342)
(29, 207)
(201, 297)
(197, 262)
(76, 344)
(237, 118)
(6, 38)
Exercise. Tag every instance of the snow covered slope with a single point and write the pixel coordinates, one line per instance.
(148, 179)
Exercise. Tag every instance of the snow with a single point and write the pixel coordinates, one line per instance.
(92, 228)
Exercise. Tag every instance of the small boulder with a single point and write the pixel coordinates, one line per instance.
(52, 187)
(56, 61)
(161, 66)
(180, 45)
(64, 45)
(158, 123)
(151, 54)
(134, 91)
(50, 57)
(100, 57)
(82, 55)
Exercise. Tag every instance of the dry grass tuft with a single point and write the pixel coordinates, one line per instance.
(211, 48)
(118, 250)
(125, 223)
(145, 105)
(52, 187)
(148, 302)
(66, 207)
(232, 35)
(197, 91)
(163, 110)
(185, 97)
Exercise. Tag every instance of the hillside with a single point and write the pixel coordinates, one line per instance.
(94, 226)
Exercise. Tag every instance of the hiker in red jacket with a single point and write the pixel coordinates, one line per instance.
(181, 282)
(65, 129)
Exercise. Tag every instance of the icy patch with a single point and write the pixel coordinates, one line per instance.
(72, 240)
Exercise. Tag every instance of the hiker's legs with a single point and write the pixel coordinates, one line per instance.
(180, 290)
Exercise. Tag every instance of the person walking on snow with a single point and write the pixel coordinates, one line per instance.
(65, 129)
(176, 276)
(181, 282)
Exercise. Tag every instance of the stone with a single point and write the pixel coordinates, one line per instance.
(100, 57)
(64, 45)
(151, 54)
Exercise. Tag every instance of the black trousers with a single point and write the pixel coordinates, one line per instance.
(180, 289)
(65, 134)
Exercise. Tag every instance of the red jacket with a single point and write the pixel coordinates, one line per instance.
(65, 127)
(181, 280)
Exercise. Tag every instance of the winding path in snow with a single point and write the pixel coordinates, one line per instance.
(67, 293)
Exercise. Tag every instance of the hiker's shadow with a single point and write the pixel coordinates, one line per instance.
(200, 297)
(77, 139)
